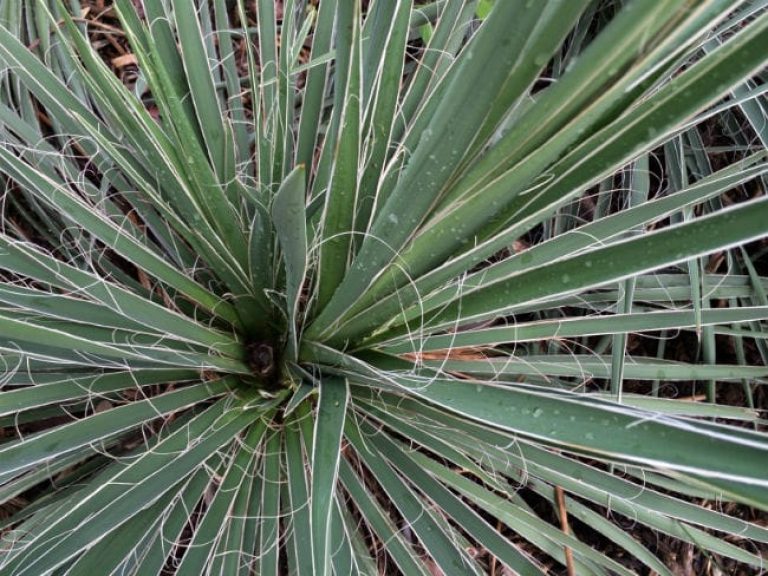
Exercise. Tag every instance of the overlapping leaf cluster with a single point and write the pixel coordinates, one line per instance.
(351, 287)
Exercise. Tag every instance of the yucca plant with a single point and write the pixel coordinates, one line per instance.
(382, 287)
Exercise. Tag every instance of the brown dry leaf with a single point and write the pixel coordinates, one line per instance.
(124, 60)
(434, 569)
(469, 353)
(103, 406)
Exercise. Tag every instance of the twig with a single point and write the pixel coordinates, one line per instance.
(560, 496)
